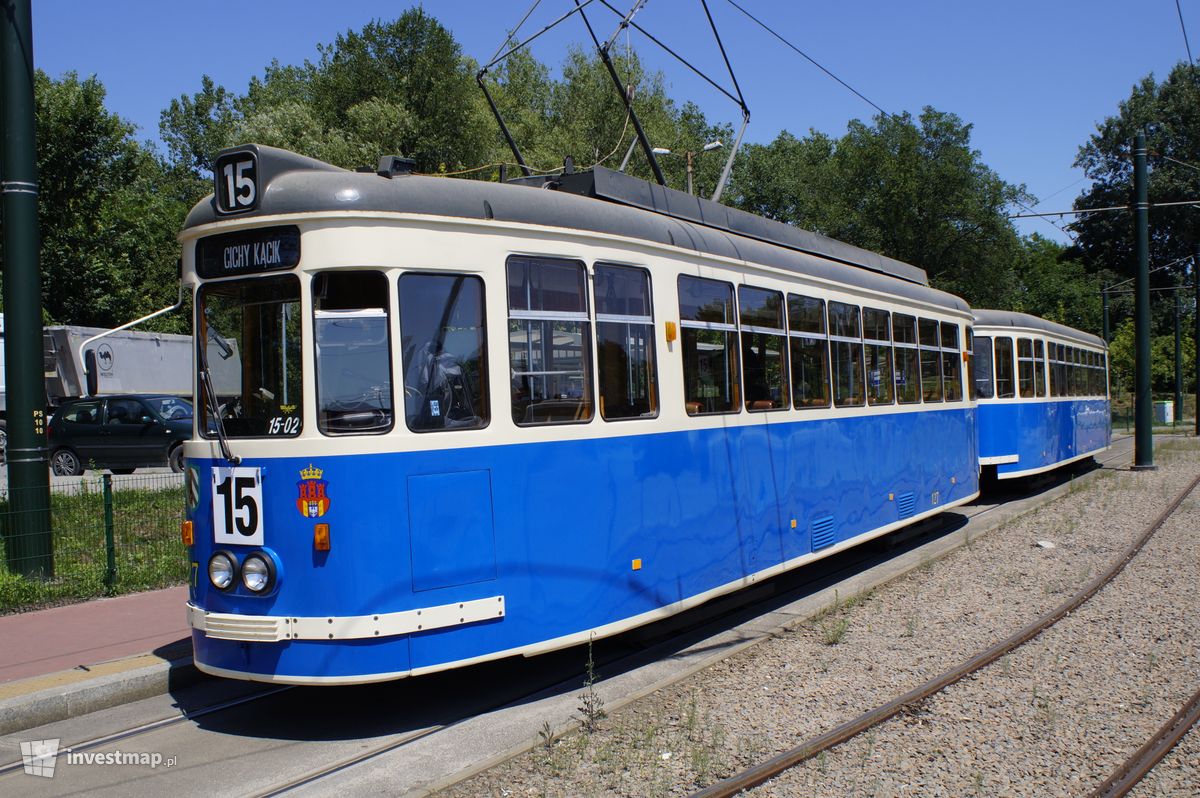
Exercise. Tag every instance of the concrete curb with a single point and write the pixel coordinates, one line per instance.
(29, 703)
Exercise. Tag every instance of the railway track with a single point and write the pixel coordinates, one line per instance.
(1143, 760)
(1118, 784)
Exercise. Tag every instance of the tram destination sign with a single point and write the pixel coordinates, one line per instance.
(265, 249)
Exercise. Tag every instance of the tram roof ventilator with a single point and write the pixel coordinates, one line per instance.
(391, 166)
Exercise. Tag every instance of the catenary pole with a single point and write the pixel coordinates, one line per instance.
(1177, 416)
(1143, 432)
(28, 541)
(1196, 285)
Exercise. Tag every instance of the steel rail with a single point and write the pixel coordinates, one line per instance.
(159, 724)
(1143, 760)
(357, 759)
(764, 771)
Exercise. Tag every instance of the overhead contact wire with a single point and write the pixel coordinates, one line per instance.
(808, 57)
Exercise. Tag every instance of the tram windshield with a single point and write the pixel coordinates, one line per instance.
(250, 331)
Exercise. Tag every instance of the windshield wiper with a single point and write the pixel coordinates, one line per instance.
(214, 408)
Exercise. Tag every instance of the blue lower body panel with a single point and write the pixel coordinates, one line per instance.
(1042, 434)
(575, 535)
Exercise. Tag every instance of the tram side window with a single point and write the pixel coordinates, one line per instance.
(1039, 366)
(908, 359)
(931, 361)
(1104, 386)
(1052, 354)
(1061, 388)
(625, 364)
(1025, 368)
(810, 351)
(846, 342)
(951, 363)
(708, 334)
(549, 341)
(971, 365)
(444, 352)
(250, 331)
(877, 339)
(984, 387)
(353, 352)
(1069, 371)
(764, 364)
(1075, 372)
(1093, 375)
(1005, 384)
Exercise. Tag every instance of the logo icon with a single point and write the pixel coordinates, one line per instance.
(39, 757)
(313, 501)
(105, 357)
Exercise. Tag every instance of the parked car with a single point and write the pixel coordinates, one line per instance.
(119, 433)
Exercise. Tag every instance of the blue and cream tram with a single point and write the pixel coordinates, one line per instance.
(444, 421)
(1042, 390)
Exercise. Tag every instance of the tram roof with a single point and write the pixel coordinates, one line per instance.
(599, 200)
(1011, 318)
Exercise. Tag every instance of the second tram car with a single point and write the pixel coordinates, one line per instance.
(1043, 394)
(477, 420)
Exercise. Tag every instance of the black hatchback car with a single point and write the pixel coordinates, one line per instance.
(119, 433)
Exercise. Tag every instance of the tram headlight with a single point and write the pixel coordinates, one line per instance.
(222, 570)
(258, 573)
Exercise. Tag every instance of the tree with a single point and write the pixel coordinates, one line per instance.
(195, 128)
(107, 208)
(1162, 361)
(1169, 115)
(1055, 286)
(914, 190)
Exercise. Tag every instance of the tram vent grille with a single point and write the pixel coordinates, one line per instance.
(823, 533)
(906, 504)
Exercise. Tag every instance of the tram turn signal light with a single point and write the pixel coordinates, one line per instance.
(321, 537)
(672, 334)
(187, 531)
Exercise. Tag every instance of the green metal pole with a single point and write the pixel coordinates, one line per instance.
(1196, 282)
(110, 548)
(30, 547)
(1143, 431)
(1178, 416)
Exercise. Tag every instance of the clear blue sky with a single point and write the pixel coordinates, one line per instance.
(1034, 77)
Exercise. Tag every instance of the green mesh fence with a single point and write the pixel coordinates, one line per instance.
(109, 535)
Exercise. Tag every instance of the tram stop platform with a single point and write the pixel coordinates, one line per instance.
(66, 661)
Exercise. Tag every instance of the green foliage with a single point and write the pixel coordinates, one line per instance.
(914, 190)
(1162, 360)
(108, 211)
(1169, 115)
(401, 87)
(1057, 287)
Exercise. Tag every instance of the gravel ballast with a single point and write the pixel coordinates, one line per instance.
(1054, 717)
